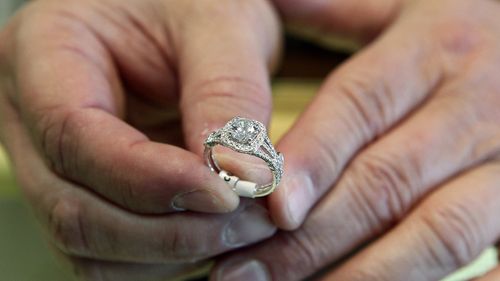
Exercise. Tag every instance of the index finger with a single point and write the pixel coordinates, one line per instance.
(359, 102)
(70, 97)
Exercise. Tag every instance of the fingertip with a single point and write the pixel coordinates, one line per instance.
(280, 212)
(242, 270)
(291, 202)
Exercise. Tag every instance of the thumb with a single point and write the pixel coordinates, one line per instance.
(224, 67)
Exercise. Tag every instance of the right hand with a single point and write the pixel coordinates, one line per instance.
(88, 94)
(392, 171)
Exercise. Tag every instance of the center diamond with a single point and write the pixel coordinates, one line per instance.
(243, 131)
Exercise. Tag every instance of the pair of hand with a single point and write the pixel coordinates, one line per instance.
(394, 163)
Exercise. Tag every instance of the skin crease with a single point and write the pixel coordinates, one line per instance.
(395, 162)
(104, 108)
(407, 158)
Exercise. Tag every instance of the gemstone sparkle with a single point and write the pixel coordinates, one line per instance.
(243, 131)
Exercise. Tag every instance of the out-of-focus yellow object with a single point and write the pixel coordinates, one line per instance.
(290, 99)
(23, 256)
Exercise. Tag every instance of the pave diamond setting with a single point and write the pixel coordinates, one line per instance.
(249, 137)
(240, 134)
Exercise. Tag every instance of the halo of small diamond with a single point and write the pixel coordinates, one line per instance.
(250, 137)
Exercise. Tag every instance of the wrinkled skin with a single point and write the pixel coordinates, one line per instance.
(392, 172)
(92, 98)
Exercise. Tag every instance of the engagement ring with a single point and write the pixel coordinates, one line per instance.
(249, 137)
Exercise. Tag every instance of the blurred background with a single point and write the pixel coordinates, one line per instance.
(24, 255)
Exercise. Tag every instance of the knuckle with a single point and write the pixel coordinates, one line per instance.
(455, 238)
(325, 144)
(370, 100)
(49, 138)
(54, 124)
(232, 91)
(66, 225)
(386, 185)
(179, 247)
(305, 252)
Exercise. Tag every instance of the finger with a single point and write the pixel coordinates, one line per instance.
(92, 269)
(357, 103)
(82, 224)
(95, 270)
(296, 255)
(224, 66)
(70, 98)
(447, 231)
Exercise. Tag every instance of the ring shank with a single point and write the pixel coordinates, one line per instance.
(260, 190)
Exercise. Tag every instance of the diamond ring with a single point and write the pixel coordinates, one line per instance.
(249, 137)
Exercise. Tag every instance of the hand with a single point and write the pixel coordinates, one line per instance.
(398, 151)
(89, 91)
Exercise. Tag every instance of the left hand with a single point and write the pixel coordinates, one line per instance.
(407, 133)
(104, 107)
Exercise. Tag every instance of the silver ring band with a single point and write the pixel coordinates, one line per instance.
(249, 137)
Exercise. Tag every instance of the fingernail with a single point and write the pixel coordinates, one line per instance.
(243, 271)
(198, 200)
(298, 198)
(251, 225)
(294, 214)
